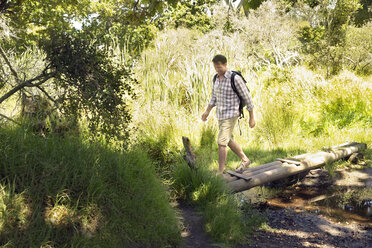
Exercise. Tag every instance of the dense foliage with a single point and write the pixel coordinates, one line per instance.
(91, 85)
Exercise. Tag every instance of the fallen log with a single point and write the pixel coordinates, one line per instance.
(273, 165)
(229, 177)
(238, 175)
(308, 162)
(256, 168)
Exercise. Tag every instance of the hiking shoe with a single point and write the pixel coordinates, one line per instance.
(242, 166)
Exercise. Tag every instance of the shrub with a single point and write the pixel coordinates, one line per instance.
(208, 137)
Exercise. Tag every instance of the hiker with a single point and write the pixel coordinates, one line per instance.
(227, 101)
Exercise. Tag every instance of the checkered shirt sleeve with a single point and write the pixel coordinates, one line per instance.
(213, 100)
(244, 92)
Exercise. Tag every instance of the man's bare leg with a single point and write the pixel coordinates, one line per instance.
(222, 155)
(236, 148)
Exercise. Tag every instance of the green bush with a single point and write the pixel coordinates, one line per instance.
(70, 193)
(198, 186)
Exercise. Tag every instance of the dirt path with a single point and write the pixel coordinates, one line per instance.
(193, 234)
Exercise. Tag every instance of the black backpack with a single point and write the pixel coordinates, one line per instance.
(241, 104)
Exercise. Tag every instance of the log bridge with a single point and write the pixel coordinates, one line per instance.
(282, 168)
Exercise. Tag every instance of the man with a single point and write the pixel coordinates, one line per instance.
(227, 103)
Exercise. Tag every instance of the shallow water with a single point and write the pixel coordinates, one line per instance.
(341, 204)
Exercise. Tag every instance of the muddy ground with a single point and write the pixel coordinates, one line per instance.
(294, 225)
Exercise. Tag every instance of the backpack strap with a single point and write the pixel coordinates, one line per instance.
(215, 78)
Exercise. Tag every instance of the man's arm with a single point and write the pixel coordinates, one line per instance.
(246, 95)
(211, 104)
(213, 100)
(243, 92)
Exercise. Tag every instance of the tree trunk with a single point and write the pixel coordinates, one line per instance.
(190, 156)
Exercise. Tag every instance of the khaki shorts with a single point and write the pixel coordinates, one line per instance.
(226, 130)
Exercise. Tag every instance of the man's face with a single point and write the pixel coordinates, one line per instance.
(220, 68)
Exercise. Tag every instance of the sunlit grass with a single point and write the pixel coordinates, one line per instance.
(73, 192)
(15, 211)
(295, 107)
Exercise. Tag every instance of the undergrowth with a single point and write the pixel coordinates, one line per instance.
(225, 219)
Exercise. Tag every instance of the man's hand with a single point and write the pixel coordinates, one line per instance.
(205, 116)
(252, 122)
(206, 113)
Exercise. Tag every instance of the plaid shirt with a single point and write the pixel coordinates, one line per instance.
(226, 100)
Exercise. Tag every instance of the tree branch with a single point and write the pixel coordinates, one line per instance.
(136, 4)
(46, 93)
(28, 83)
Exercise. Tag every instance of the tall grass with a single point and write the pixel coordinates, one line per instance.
(71, 193)
(294, 106)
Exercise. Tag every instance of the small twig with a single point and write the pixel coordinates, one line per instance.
(136, 4)
(350, 59)
(28, 83)
(46, 93)
(366, 65)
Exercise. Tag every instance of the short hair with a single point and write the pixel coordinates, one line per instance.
(219, 58)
